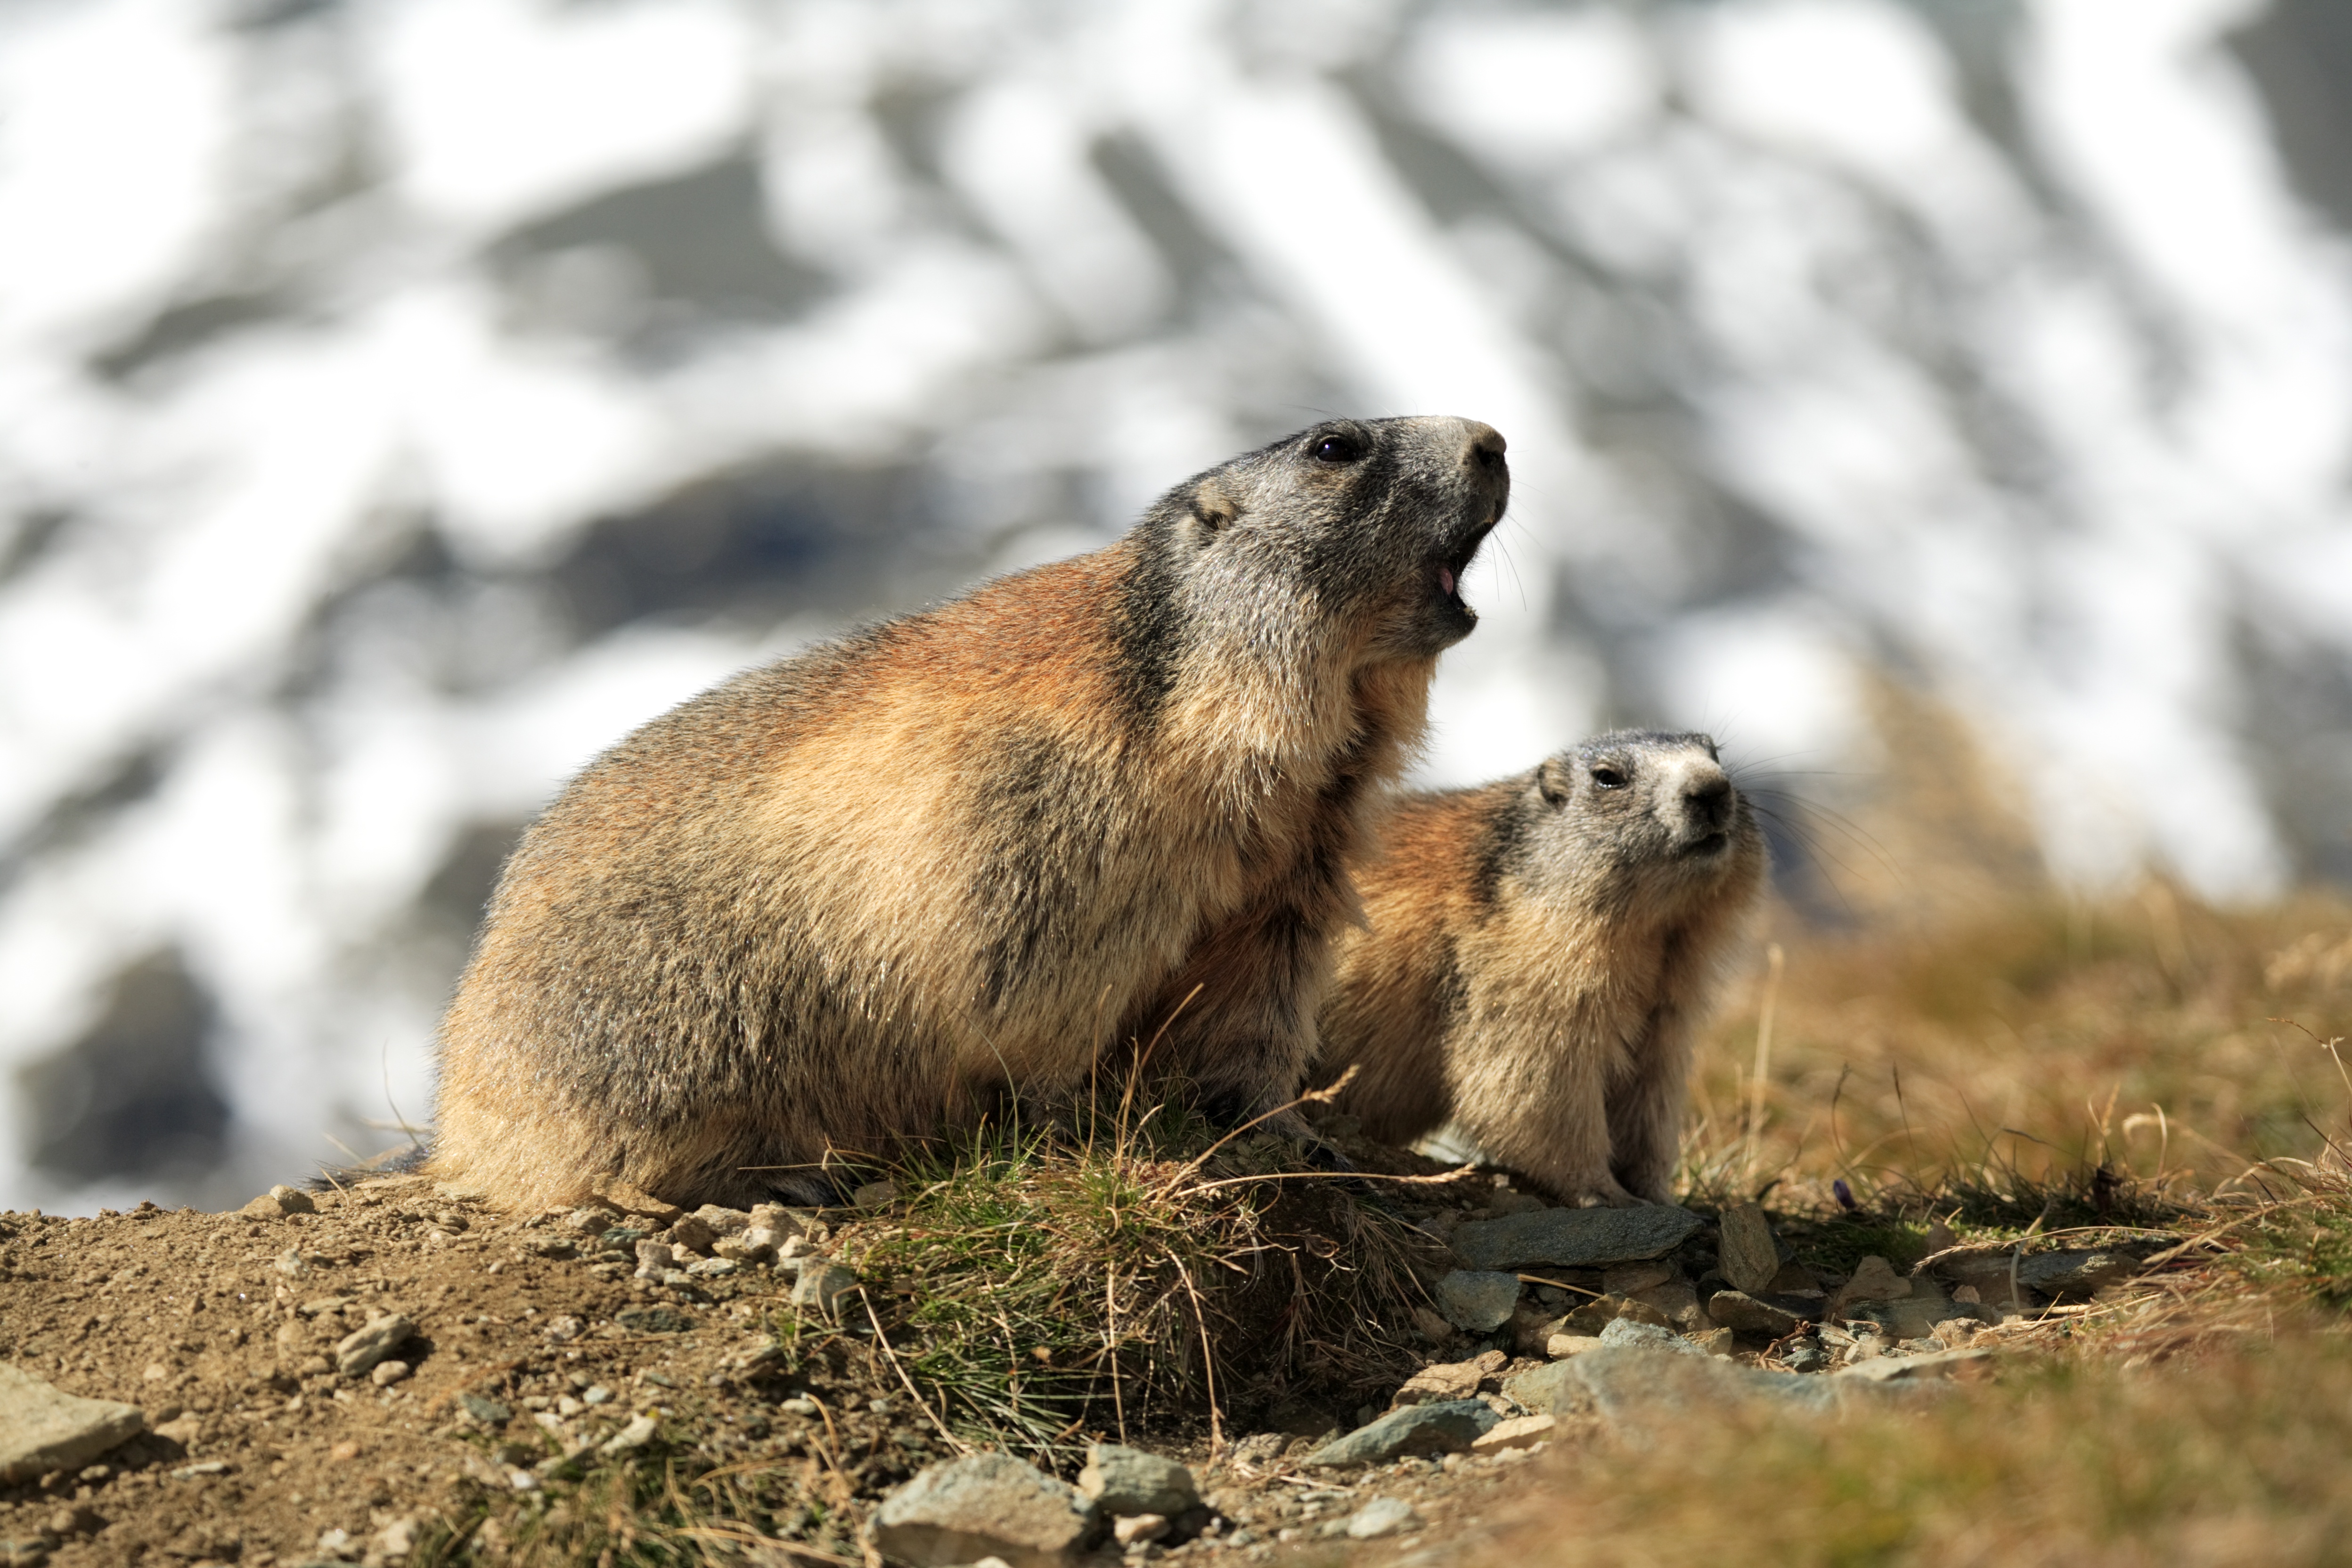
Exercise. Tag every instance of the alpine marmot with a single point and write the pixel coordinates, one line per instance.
(861, 895)
(1540, 951)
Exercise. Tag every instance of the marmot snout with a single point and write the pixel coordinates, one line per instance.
(859, 896)
(1540, 951)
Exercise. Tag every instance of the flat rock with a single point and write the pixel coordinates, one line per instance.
(1382, 1515)
(653, 1320)
(1518, 1432)
(1574, 1238)
(1476, 1300)
(1450, 1379)
(1919, 1368)
(1636, 1390)
(43, 1428)
(1747, 1253)
(1625, 1332)
(1635, 1385)
(984, 1505)
(1446, 1428)
(1743, 1314)
(357, 1353)
(1598, 1313)
(1127, 1481)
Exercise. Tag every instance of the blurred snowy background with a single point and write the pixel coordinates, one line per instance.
(401, 399)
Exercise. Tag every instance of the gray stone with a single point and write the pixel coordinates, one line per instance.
(1913, 1368)
(1574, 1238)
(1649, 1336)
(1875, 1279)
(821, 1285)
(1123, 1481)
(722, 1221)
(692, 1233)
(1382, 1515)
(656, 1258)
(1536, 1388)
(1743, 1314)
(636, 1435)
(1476, 1300)
(488, 1412)
(984, 1505)
(1747, 1254)
(278, 1201)
(1634, 1387)
(1806, 1356)
(1450, 1379)
(357, 1353)
(1639, 1392)
(43, 1428)
(653, 1320)
(1446, 1428)
(1596, 1315)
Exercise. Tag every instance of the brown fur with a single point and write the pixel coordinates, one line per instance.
(1539, 951)
(860, 896)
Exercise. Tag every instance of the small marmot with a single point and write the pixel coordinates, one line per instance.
(1539, 951)
(861, 895)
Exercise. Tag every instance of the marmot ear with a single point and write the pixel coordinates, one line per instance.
(1554, 780)
(1214, 507)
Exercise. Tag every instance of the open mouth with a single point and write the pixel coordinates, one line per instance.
(1449, 568)
(1713, 843)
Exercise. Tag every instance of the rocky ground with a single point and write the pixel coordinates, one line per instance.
(394, 1372)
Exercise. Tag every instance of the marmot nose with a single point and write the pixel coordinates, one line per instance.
(1708, 802)
(1483, 447)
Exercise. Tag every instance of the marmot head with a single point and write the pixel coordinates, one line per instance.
(1634, 815)
(1364, 524)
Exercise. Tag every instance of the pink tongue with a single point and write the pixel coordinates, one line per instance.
(1444, 580)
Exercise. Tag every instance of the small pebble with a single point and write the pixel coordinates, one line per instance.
(595, 1394)
(1141, 1527)
(1383, 1516)
(388, 1373)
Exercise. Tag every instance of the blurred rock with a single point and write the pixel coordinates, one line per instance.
(1447, 1428)
(1476, 1300)
(1574, 1238)
(1743, 1314)
(358, 1353)
(984, 1505)
(44, 1429)
(1449, 1380)
(1746, 1251)
(278, 1201)
(1380, 1517)
(1518, 1432)
(1123, 1481)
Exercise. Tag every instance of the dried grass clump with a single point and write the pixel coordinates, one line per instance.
(2230, 1458)
(1124, 1269)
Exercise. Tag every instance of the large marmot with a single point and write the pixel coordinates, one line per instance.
(860, 895)
(1540, 951)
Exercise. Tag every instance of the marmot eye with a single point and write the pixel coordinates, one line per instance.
(1607, 777)
(1338, 449)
